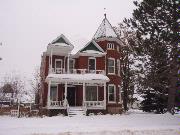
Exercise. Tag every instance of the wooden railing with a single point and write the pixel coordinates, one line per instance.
(75, 71)
(56, 103)
(93, 104)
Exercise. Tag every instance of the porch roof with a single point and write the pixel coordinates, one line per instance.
(80, 78)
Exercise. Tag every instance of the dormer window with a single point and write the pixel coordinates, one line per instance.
(110, 46)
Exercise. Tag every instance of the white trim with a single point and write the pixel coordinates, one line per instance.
(56, 61)
(118, 67)
(114, 93)
(119, 95)
(113, 66)
(71, 59)
(110, 46)
(94, 62)
(62, 36)
(94, 42)
(96, 91)
(52, 84)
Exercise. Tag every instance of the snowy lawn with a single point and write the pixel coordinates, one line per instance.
(131, 124)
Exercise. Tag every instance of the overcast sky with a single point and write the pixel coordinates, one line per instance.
(27, 26)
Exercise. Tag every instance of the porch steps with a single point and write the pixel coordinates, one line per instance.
(75, 111)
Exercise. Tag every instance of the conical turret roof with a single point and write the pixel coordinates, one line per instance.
(105, 30)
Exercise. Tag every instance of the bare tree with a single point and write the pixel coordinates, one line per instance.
(14, 84)
(35, 84)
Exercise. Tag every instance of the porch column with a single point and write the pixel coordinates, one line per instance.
(104, 95)
(51, 59)
(83, 93)
(48, 96)
(68, 64)
(65, 93)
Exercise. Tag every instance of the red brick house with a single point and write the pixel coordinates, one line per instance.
(89, 79)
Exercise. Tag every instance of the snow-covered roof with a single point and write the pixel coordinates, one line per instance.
(61, 40)
(91, 49)
(88, 78)
(105, 30)
(61, 45)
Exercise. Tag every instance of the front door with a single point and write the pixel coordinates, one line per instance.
(71, 93)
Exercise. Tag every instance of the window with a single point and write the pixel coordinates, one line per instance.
(58, 66)
(111, 93)
(111, 66)
(110, 46)
(54, 93)
(92, 65)
(120, 92)
(71, 65)
(91, 93)
(118, 67)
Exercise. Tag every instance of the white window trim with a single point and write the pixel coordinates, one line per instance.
(114, 94)
(73, 63)
(56, 90)
(118, 48)
(110, 46)
(120, 97)
(56, 61)
(118, 67)
(88, 62)
(97, 89)
(114, 66)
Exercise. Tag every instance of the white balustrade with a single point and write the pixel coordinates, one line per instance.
(14, 113)
(75, 71)
(56, 103)
(94, 104)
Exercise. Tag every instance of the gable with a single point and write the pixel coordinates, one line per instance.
(60, 40)
(92, 46)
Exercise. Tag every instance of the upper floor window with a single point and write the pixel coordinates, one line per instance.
(58, 66)
(110, 46)
(111, 66)
(92, 64)
(71, 65)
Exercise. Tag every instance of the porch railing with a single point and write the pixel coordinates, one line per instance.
(75, 71)
(93, 104)
(56, 103)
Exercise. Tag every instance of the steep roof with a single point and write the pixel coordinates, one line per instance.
(105, 30)
(92, 45)
(61, 40)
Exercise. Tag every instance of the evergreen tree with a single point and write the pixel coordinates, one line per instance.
(129, 70)
(155, 22)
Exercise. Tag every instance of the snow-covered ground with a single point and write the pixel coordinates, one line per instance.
(132, 123)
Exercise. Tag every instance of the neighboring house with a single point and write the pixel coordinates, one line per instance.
(89, 79)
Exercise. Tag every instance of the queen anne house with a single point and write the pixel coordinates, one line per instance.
(88, 81)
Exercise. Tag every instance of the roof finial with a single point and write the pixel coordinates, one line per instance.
(105, 12)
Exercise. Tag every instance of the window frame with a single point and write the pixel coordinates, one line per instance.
(94, 62)
(96, 93)
(73, 64)
(56, 92)
(110, 85)
(119, 95)
(114, 71)
(110, 46)
(118, 67)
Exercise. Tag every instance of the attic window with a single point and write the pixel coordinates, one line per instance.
(110, 46)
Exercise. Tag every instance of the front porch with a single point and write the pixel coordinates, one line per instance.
(90, 96)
